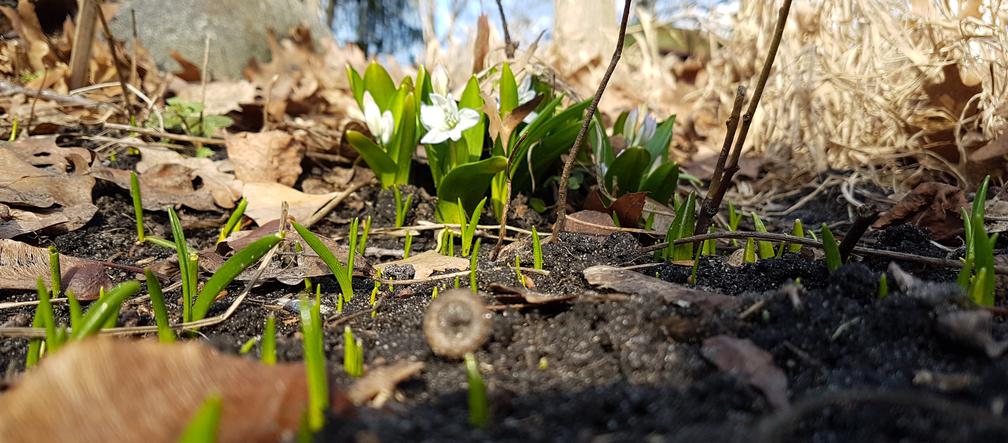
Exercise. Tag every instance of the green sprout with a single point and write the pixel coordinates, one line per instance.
(402, 207)
(13, 133)
(106, 309)
(190, 118)
(537, 260)
(205, 423)
(35, 344)
(76, 314)
(883, 286)
(831, 248)
(681, 226)
(749, 253)
(352, 250)
(408, 246)
(798, 230)
(362, 243)
(374, 294)
(233, 221)
(977, 274)
(433, 294)
(709, 247)
(343, 274)
(48, 318)
(766, 249)
(182, 250)
(165, 333)
(353, 354)
(56, 274)
(137, 206)
(468, 229)
(479, 408)
(472, 265)
(339, 303)
(268, 349)
(248, 345)
(230, 269)
(315, 362)
(518, 273)
(734, 218)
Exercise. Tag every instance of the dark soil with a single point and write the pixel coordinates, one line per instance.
(616, 370)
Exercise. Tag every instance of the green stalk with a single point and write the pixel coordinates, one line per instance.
(233, 220)
(314, 355)
(766, 249)
(831, 248)
(204, 425)
(798, 230)
(352, 237)
(749, 253)
(362, 243)
(137, 205)
(35, 344)
(75, 310)
(193, 277)
(48, 319)
(183, 259)
(469, 229)
(883, 286)
(349, 352)
(165, 333)
(407, 248)
(537, 260)
(479, 409)
(99, 313)
(233, 266)
(269, 341)
(473, 263)
(401, 207)
(518, 273)
(54, 270)
(342, 273)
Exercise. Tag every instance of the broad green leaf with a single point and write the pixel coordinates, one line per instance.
(662, 182)
(380, 84)
(624, 175)
(473, 136)
(468, 182)
(831, 249)
(620, 123)
(659, 143)
(356, 85)
(405, 141)
(374, 156)
(508, 91)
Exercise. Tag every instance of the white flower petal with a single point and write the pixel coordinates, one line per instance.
(467, 118)
(432, 117)
(388, 126)
(439, 80)
(439, 100)
(434, 136)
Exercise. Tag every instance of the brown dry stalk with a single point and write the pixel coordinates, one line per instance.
(720, 180)
(127, 102)
(509, 45)
(589, 113)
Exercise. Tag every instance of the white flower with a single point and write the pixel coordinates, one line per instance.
(638, 133)
(381, 125)
(439, 80)
(525, 91)
(445, 120)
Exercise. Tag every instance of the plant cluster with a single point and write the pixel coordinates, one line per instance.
(977, 274)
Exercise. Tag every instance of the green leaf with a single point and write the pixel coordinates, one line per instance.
(315, 362)
(380, 84)
(984, 260)
(268, 347)
(356, 85)
(227, 272)
(182, 251)
(339, 270)
(405, 141)
(165, 333)
(374, 156)
(625, 173)
(765, 248)
(468, 182)
(620, 123)
(99, 313)
(469, 230)
(798, 230)
(980, 199)
(662, 182)
(659, 143)
(473, 136)
(205, 423)
(831, 248)
(508, 91)
(749, 253)
(688, 210)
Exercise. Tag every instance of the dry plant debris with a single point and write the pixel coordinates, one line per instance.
(743, 359)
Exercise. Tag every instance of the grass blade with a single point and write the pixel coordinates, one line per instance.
(137, 205)
(479, 409)
(473, 264)
(233, 220)
(183, 259)
(831, 248)
(318, 383)
(233, 266)
(165, 333)
(269, 341)
(341, 272)
(765, 248)
(99, 313)
(205, 423)
(54, 270)
(75, 310)
(537, 260)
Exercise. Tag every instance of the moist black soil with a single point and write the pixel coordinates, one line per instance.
(615, 368)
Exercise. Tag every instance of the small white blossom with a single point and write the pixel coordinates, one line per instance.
(444, 120)
(439, 81)
(637, 133)
(525, 91)
(381, 125)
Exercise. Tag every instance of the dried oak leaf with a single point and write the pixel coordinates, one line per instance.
(219, 97)
(44, 185)
(265, 200)
(743, 359)
(590, 222)
(22, 264)
(271, 156)
(101, 389)
(931, 205)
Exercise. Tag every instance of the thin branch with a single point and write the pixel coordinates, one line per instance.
(866, 215)
(509, 45)
(707, 208)
(8, 88)
(127, 102)
(589, 113)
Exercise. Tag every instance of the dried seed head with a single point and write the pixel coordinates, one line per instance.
(456, 322)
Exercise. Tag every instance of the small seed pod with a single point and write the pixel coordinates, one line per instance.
(456, 322)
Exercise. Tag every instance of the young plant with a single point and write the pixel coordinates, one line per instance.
(165, 333)
(468, 229)
(977, 274)
(766, 249)
(537, 260)
(643, 165)
(518, 273)
(831, 248)
(473, 262)
(343, 274)
(228, 271)
(186, 274)
(479, 407)
(190, 118)
(35, 344)
(233, 221)
(734, 218)
(709, 247)
(352, 250)
(268, 347)
(681, 226)
(205, 423)
(353, 354)
(402, 207)
(100, 312)
(315, 362)
(45, 310)
(362, 243)
(55, 273)
(883, 286)
(749, 253)
(433, 294)
(137, 206)
(76, 313)
(408, 246)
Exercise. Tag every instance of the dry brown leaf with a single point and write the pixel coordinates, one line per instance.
(168, 178)
(428, 262)
(147, 391)
(22, 264)
(379, 383)
(271, 156)
(481, 44)
(265, 200)
(590, 222)
(630, 282)
(931, 205)
(44, 186)
(743, 359)
(221, 96)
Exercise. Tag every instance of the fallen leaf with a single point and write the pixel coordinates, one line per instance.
(590, 222)
(933, 206)
(271, 156)
(512, 294)
(627, 208)
(379, 383)
(428, 262)
(221, 186)
(220, 97)
(631, 282)
(972, 329)
(22, 264)
(148, 391)
(265, 200)
(481, 44)
(754, 366)
(44, 186)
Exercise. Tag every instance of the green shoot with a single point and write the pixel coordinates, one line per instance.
(457, 283)
(98, 315)
(734, 218)
(228, 271)
(35, 344)
(982, 284)
(749, 253)
(766, 249)
(649, 222)
(352, 251)
(473, 258)
(54, 270)
(353, 354)
(537, 260)
(680, 227)
(883, 286)
(709, 247)
(165, 333)
(433, 294)
(362, 244)
(48, 318)
(248, 345)
(343, 274)
(479, 408)
(831, 248)
(233, 221)
(75, 310)
(315, 362)
(193, 277)
(204, 425)
(137, 206)
(408, 247)
(451, 244)
(268, 348)
(401, 206)
(468, 229)
(183, 259)
(13, 133)
(374, 294)
(798, 230)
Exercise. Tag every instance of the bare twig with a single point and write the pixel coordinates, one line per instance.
(31, 114)
(136, 44)
(80, 55)
(169, 135)
(509, 45)
(708, 209)
(331, 204)
(866, 215)
(722, 181)
(127, 102)
(8, 88)
(589, 113)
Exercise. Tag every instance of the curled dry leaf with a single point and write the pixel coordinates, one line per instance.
(933, 206)
(271, 156)
(427, 263)
(754, 366)
(22, 264)
(44, 186)
(102, 389)
(379, 383)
